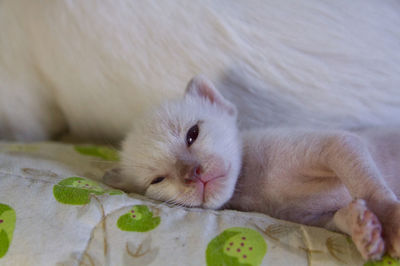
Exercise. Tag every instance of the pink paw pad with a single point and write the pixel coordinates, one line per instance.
(367, 232)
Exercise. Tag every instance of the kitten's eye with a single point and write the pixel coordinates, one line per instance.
(157, 180)
(192, 134)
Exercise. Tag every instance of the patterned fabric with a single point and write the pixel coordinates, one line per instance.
(54, 211)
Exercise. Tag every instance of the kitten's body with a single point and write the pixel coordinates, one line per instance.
(312, 176)
(304, 175)
(276, 170)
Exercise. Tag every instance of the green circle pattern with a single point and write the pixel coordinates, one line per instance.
(385, 261)
(237, 246)
(77, 190)
(102, 152)
(7, 225)
(138, 219)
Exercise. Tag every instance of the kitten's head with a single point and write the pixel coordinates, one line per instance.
(187, 151)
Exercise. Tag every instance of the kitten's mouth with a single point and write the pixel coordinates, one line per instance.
(208, 189)
(210, 180)
(206, 185)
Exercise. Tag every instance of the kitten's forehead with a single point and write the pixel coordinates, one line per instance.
(173, 119)
(161, 134)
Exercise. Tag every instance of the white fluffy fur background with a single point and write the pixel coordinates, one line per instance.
(94, 66)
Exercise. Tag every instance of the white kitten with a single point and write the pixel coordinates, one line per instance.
(189, 152)
(196, 136)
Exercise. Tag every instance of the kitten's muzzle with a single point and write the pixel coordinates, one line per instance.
(194, 174)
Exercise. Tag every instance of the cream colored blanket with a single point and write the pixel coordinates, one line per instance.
(54, 212)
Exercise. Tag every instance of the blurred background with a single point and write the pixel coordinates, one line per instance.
(89, 68)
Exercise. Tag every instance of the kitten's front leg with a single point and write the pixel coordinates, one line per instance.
(348, 157)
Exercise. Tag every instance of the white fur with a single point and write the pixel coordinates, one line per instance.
(94, 66)
(158, 142)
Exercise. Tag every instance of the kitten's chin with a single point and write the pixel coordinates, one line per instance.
(214, 204)
(217, 193)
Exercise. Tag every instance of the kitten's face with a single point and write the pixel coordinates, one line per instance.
(187, 151)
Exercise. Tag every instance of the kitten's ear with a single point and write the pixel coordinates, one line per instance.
(200, 86)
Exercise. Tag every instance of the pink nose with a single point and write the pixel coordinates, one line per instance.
(197, 171)
(194, 174)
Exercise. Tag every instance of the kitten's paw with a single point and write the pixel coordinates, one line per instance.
(366, 231)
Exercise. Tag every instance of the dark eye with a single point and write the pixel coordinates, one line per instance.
(157, 180)
(192, 134)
